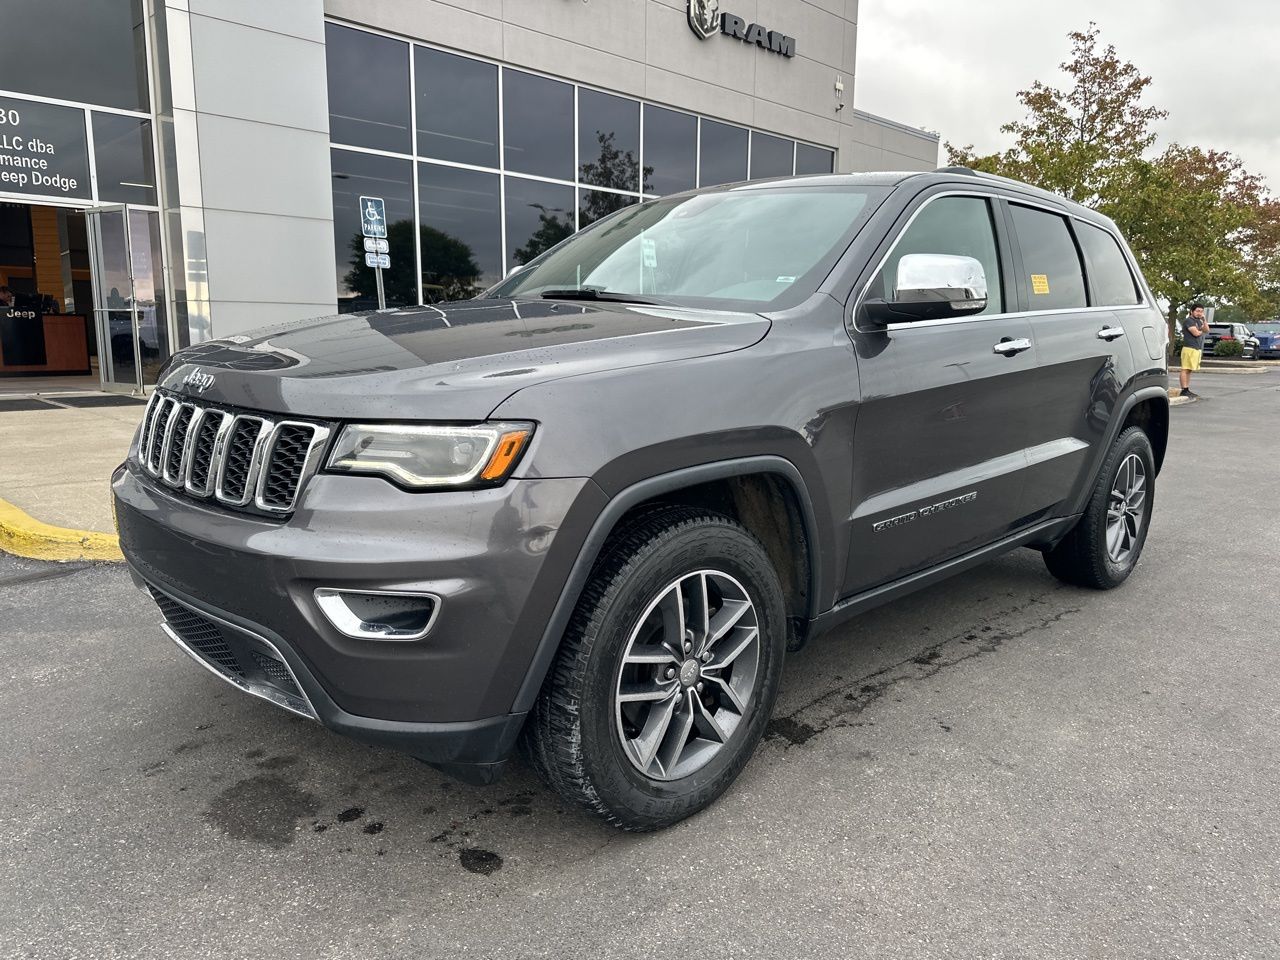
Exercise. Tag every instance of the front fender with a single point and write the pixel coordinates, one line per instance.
(613, 511)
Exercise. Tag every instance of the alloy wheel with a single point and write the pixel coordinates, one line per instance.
(1125, 509)
(687, 675)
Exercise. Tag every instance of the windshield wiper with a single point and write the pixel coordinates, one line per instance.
(595, 293)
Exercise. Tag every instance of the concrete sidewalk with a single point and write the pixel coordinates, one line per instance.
(56, 457)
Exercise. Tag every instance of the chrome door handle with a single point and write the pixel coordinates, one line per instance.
(1110, 333)
(1009, 347)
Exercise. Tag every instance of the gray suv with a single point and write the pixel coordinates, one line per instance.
(590, 512)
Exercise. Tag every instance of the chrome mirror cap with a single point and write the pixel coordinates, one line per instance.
(932, 286)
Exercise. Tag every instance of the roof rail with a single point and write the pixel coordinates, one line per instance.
(965, 170)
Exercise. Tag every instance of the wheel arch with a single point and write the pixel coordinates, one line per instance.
(1146, 407)
(747, 483)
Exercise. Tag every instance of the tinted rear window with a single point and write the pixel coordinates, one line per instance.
(1054, 277)
(1113, 283)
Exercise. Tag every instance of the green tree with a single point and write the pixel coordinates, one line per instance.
(1201, 226)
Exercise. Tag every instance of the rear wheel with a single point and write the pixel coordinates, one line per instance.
(667, 674)
(1103, 547)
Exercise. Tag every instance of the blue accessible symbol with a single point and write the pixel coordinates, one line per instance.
(373, 217)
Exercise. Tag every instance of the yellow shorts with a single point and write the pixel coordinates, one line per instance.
(1190, 358)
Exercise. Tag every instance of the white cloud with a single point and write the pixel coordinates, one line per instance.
(956, 67)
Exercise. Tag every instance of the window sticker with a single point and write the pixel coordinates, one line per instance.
(649, 252)
(1039, 283)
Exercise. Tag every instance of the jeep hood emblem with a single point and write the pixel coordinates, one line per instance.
(197, 381)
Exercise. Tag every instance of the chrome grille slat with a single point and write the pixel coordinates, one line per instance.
(236, 459)
(177, 449)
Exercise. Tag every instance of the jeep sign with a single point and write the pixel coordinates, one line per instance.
(706, 20)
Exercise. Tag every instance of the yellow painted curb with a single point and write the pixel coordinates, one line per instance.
(25, 536)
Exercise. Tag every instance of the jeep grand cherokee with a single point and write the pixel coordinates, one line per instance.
(591, 510)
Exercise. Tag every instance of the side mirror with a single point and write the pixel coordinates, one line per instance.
(932, 286)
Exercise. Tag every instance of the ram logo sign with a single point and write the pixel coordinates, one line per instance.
(706, 20)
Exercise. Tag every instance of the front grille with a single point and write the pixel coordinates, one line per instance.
(242, 443)
(199, 633)
(237, 459)
(288, 457)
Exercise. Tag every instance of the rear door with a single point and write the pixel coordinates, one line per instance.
(938, 452)
(1085, 306)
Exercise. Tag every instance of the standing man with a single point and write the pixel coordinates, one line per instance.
(1194, 328)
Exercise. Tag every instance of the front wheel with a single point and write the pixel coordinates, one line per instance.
(1102, 549)
(667, 674)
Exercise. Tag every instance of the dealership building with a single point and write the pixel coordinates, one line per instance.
(175, 170)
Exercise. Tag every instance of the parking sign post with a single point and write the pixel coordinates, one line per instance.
(373, 224)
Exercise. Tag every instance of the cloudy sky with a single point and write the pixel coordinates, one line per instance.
(956, 67)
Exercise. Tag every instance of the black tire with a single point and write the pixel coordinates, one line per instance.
(572, 736)
(1081, 558)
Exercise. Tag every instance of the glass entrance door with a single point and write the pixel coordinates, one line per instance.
(128, 296)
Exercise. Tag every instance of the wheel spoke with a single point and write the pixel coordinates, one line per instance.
(708, 725)
(651, 653)
(676, 736)
(729, 651)
(1113, 539)
(729, 692)
(699, 610)
(726, 618)
(644, 692)
(673, 616)
(655, 730)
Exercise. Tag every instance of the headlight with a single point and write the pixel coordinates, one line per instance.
(420, 456)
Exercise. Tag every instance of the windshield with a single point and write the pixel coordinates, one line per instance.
(744, 249)
(1265, 328)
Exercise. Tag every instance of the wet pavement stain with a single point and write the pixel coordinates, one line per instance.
(351, 813)
(479, 861)
(276, 763)
(833, 709)
(187, 746)
(374, 828)
(262, 809)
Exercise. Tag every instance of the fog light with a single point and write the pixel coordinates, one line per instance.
(378, 614)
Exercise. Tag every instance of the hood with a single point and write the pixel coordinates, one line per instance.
(452, 362)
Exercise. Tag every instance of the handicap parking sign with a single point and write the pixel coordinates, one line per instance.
(373, 217)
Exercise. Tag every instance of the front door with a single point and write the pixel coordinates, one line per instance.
(939, 450)
(128, 295)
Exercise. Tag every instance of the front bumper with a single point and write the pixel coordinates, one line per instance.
(497, 558)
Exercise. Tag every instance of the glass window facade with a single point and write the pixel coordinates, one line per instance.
(811, 159)
(126, 164)
(460, 231)
(608, 141)
(723, 155)
(368, 89)
(88, 51)
(537, 125)
(539, 215)
(670, 151)
(457, 106)
(770, 156)
(483, 166)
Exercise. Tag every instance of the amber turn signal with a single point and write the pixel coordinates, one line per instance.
(505, 454)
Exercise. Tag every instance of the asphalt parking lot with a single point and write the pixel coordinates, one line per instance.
(999, 767)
